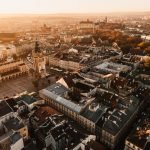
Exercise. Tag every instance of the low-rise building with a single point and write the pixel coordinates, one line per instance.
(61, 135)
(52, 130)
(41, 114)
(10, 70)
(57, 96)
(5, 112)
(114, 67)
(11, 141)
(16, 124)
(87, 26)
(139, 138)
(7, 50)
(102, 112)
(124, 86)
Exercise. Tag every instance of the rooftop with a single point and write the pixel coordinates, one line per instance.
(141, 133)
(27, 99)
(62, 130)
(124, 83)
(4, 74)
(13, 123)
(59, 93)
(94, 112)
(42, 113)
(113, 67)
(142, 93)
(115, 110)
(87, 21)
(15, 137)
(4, 108)
(30, 146)
(119, 116)
(95, 145)
(12, 103)
(6, 136)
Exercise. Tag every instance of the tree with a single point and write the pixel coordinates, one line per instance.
(35, 83)
(14, 56)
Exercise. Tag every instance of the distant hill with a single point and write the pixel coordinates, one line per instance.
(146, 13)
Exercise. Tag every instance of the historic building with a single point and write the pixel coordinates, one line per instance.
(87, 26)
(39, 62)
(10, 70)
(101, 111)
(7, 50)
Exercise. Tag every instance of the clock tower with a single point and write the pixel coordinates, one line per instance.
(39, 61)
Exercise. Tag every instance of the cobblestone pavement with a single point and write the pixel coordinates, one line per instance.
(12, 87)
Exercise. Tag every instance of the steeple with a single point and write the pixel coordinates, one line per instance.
(39, 61)
(106, 19)
(37, 47)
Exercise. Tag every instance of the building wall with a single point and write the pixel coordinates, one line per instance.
(39, 64)
(53, 61)
(50, 141)
(6, 117)
(5, 52)
(24, 132)
(18, 145)
(9, 66)
(112, 140)
(22, 69)
(87, 27)
(89, 125)
(68, 65)
(131, 146)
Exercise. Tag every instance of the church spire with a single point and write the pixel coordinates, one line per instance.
(37, 47)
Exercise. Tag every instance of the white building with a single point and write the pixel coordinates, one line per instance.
(7, 50)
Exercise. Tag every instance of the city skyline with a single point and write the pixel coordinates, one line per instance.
(74, 74)
(72, 6)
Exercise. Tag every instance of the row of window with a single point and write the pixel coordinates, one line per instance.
(83, 121)
(132, 146)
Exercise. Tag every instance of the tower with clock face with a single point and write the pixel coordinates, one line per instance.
(39, 61)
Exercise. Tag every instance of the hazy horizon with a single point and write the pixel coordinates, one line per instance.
(72, 6)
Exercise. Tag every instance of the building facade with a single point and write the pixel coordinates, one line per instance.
(39, 61)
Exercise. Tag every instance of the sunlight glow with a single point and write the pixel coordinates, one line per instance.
(72, 6)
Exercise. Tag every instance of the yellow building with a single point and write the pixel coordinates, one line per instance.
(10, 70)
(16, 124)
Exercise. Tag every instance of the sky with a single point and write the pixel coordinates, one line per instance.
(72, 6)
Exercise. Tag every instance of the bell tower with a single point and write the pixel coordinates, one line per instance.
(39, 61)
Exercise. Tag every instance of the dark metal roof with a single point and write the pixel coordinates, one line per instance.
(14, 123)
(94, 116)
(4, 109)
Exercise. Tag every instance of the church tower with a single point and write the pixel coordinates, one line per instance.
(39, 62)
